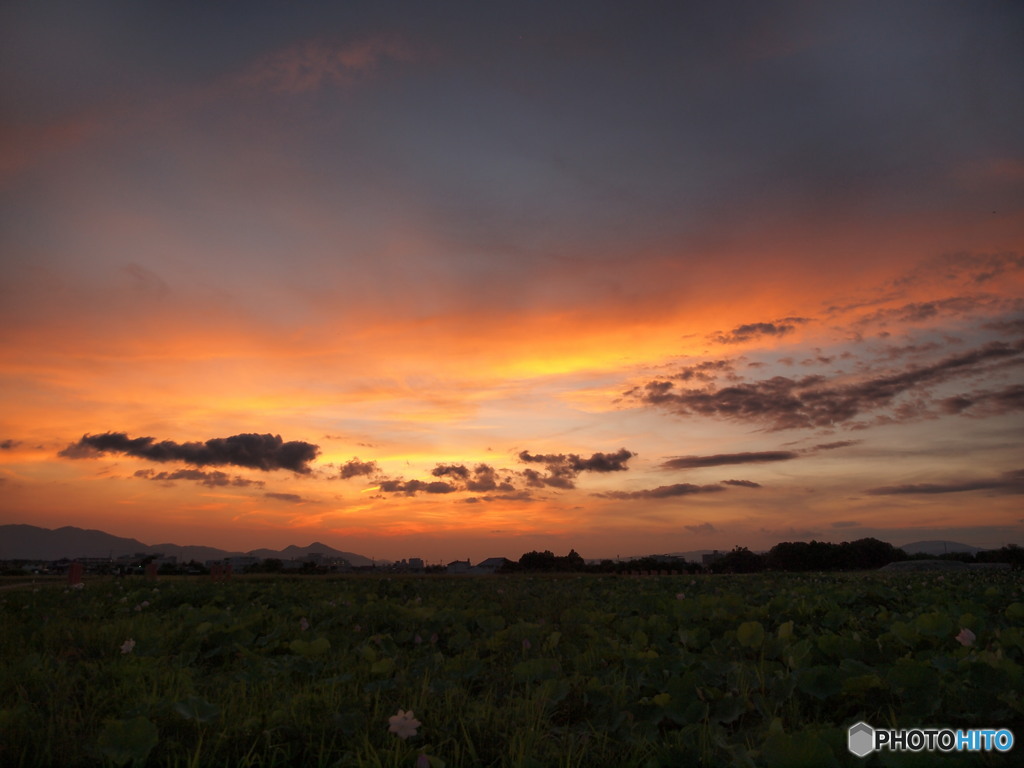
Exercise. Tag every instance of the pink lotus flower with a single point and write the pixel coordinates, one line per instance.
(303, 624)
(403, 724)
(966, 637)
(128, 646)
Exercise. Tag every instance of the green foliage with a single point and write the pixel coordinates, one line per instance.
(317, 647)
(127, 741)
(799, 750)
(750, 634)
(570, 670)
(196, 709)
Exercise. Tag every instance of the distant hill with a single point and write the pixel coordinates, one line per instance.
(293, 552)
(938, 547)
(30, 542)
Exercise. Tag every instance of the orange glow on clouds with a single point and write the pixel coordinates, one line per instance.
(469, 286)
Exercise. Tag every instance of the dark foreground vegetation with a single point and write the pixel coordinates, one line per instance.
(563, 670)
(793, 557)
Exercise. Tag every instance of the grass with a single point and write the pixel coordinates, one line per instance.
(765, 670)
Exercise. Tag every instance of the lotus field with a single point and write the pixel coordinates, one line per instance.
(758, 670)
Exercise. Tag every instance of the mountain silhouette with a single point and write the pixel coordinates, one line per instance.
(30, 542)
(938, 547)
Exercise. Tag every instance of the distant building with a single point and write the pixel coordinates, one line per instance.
(320, 561)
(458, 566)
(490, 565)
(238, 563)
(41, 567)
(709, 559)
(412, 565)
(95, 564)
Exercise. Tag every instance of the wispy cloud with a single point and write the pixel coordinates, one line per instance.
(816, 401)
(1009, 482)
(701, 528)
(752, 331)
(722, 459)
(662, 492)
(963, 268)
(922, 311)
(834, 445)
(215, 479)
(315, 64)
(986, 402)
(522, 495)
(412, 487)
(292, 498)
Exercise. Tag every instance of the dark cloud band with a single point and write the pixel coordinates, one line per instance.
(561, 471)
(562, 468)
(815, 401)
(214, 479)
(662, 492)
(749, 331)
(264, 452)
(412, 487)
(723, 459)
(1009, 482)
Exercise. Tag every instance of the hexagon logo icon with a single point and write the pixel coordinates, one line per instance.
(861, 739)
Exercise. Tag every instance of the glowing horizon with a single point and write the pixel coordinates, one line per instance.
(540, 286)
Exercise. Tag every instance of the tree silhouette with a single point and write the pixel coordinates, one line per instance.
(740, 560)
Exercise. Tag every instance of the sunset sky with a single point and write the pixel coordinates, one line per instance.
(457, 280)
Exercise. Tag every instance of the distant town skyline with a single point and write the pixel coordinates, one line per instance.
(475, 279)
